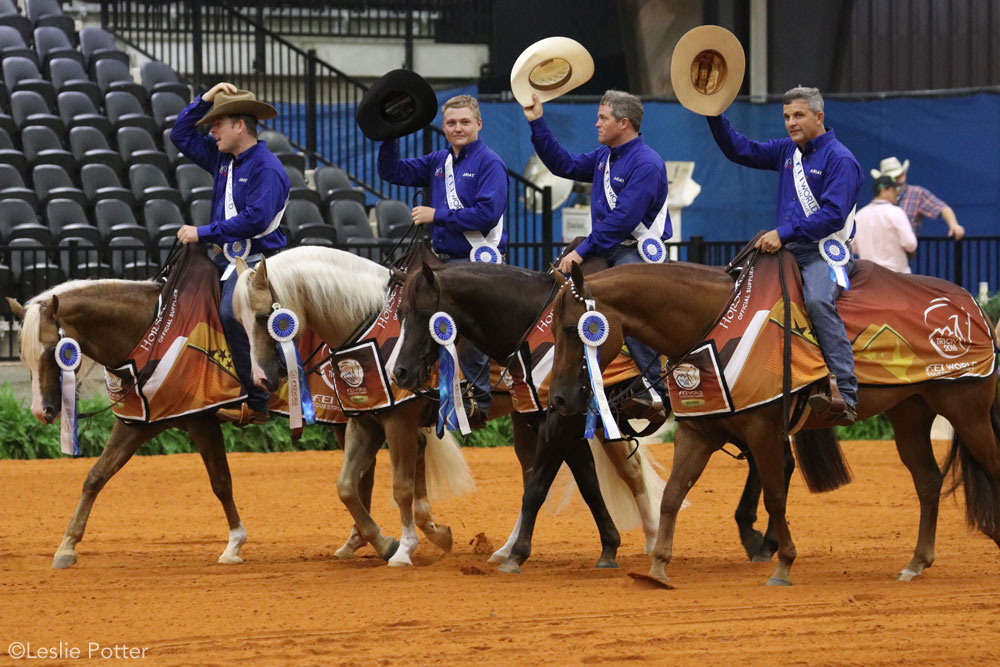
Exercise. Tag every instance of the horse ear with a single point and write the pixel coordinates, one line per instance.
(398, 275)
(241, 266)
(54, 305)
(428, 273)
(16, 308)
(260, 275)
(576, 273)
(560, 278)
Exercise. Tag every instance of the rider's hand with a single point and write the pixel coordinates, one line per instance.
(223, 87)
(769, 242)
(533, 112)
(566, 263)
(422, 215)
(187, 234)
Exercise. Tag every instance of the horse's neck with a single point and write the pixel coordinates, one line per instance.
(109, 320)
(669, 308)
(335, 324)
(495, 313)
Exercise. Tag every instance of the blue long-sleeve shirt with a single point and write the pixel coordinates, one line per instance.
(260, 184)
(832, 172)
(638, 178)
(480, 183)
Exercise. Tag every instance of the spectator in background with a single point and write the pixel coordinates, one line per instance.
(917, 202)
(883, 232)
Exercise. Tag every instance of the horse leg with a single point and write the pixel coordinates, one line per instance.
(628, 463)
(581, 462)
(401, 434)
(746, 515)
(769, 545)
(364, 436)
(769, 453)
(525, 439)
(911, 423)
(692, 449)
(356, 540)
(437, 534)
(549, 455)
(124, 441)
(206, 434)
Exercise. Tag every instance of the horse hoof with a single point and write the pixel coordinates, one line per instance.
(774, 581)
(762, 557)
(230, 560)
(344, 553)
(907, 575)
(441, 539)
(497, 557)
(62, 561)
(391, 551)
(400, 563)
(651, 581)
(753, 545)
(510, 567)
(606, 565)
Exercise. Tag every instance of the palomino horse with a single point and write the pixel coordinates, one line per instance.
(671, 306)
(333, 292)
(109, 318)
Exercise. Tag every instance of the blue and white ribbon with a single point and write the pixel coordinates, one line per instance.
(593, 329)
(837, 255)
(651, 248)
(283, 326)
(68, 358)
(451, 412)
(485, 253)
(833, 248)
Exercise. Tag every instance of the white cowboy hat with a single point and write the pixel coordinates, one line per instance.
(550, 68)
(890, 167)
(707, 69)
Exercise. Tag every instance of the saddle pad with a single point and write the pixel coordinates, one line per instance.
(313, 351)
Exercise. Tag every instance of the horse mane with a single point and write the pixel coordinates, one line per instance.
(330, 283)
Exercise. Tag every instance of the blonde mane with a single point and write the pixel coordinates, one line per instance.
(320, 284)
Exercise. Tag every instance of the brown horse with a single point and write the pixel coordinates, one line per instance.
(671, 306)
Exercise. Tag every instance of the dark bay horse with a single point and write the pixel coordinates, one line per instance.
(670, 306)
(332, 292)
(493, 305)
(108, 318)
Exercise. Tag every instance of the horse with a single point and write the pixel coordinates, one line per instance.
(333, 292)
(671, 306)
(108, 318)
(494, 305)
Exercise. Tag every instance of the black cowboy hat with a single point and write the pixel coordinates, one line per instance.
(396, 104)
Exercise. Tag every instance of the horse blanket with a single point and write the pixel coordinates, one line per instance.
(903, 328)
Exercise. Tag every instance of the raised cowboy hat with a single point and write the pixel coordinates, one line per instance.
(890, 167)
(550, 68)
(242, 102)
(707, 69)
(395, 105)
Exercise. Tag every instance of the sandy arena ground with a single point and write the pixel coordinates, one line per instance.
(147, 576)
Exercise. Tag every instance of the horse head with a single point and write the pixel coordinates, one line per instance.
(38, 337)
(418, 352)
(253, 304)
(569, 390)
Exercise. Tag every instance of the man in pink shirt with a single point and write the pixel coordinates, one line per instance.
(884, 234)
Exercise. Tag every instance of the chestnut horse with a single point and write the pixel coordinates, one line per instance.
(671, 306)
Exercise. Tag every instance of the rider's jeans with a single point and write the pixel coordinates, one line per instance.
(239, 344)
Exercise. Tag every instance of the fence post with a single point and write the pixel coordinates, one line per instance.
(260, 53)
(696, 250)
(408, 57)
(105, 14)
(197, 64)
(958, 260)
(548, 251)
(311, 115)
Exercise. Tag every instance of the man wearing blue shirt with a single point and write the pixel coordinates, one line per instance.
(249, 197)
(628, 202)
(818, 185)
(468, 185)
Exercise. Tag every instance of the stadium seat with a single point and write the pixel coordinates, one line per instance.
(392, 218)
(22, 74)
(43, 13)
(35, 278)
(51, 42)
(97, 44)
(12, 43)
(162, 218)
(9, 155)
(66, 219)
(113, 217)
(14, 213)
(76, 109)
(89, 146)
(130, 258)
(11, 16)
(6, 287)
(52, 182)
(124, 110)
(114, 76)
(333, 183)
(12, 186)
(136, 146)
(42, 146)
(278, 144)
(175, 156)
(193, 183)
(100, 181)
(68, 75)
(351, 222)
(298, 187)
(149, 182)
(29, 108)
(303, 218)
(165, 107)
(158, 77)
(200, 212)
(31, 230)
(80, 259)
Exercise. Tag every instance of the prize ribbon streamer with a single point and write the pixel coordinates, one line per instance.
(283, 326)
(451, 412)
(593, 329)
(68, 358)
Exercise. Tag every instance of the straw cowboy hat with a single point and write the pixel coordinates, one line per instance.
(707, 69)
(397, 104)
(550, 68)
(242, 102)
(890, 167)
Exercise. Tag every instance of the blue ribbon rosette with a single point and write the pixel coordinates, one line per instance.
(836, 254)
(451, 412)
(283, 325)
(652, 250)
(593, 329)
(68, 358)
(485, 252)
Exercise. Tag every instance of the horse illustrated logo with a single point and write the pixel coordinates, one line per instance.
(950, 328)
(687, 376)
(113, 382)
(351, 372)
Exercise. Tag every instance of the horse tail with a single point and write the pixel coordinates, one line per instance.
(617, 495)
(982, 492)
(445, 468)
(821, 460)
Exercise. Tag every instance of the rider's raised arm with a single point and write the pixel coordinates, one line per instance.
(200, 149)
(411, 171)
(577, 166)
(739, 149)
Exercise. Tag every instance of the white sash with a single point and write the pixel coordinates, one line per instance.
(833, 247)
(650, 244)
(241, 248)
(475, 238)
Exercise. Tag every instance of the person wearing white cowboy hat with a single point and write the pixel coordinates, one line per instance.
(917, 202)
(249, 195)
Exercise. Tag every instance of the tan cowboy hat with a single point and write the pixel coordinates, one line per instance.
(890, 167)
(707, 69)
(242, 102)
(550, 68)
